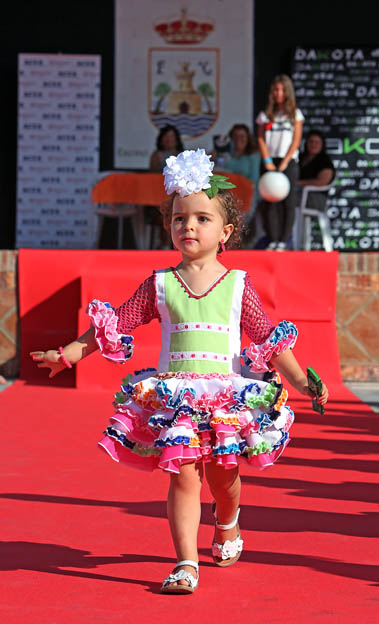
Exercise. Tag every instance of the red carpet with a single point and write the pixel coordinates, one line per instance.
(86, 540)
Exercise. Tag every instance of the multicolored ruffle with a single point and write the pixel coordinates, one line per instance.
(282, 337)
(165, 420)
(114, 346)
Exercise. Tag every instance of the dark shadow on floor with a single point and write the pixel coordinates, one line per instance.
(253, 517)
(347, 490)
(51, 558)
(359, 571)
(357, 465)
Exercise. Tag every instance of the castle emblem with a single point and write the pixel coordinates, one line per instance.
(184, 89)
(185, 99)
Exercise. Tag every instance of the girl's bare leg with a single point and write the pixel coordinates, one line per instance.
(225, 486)
(183, 511)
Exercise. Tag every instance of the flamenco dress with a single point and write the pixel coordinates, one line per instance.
(200, 404)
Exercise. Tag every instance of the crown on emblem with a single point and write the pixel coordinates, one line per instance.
(183, 30)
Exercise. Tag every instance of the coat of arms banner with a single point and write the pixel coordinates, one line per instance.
(187, 64)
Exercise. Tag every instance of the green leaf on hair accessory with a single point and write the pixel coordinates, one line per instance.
(218, 182)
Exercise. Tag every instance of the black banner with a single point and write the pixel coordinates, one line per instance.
(337, 90)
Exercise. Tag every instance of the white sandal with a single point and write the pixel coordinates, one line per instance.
(174, 577)
(230, 551)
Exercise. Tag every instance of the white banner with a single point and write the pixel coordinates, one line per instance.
(58, 150)
(186, 64)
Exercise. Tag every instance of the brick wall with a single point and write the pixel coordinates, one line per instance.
(357, 315)
(9, 334)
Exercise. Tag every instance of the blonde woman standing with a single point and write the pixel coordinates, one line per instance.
(280, 128)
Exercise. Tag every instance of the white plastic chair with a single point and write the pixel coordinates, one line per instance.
(303, 223)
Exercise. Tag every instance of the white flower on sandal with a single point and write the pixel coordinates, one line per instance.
(228, 549)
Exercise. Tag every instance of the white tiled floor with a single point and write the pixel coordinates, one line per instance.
(366, 391)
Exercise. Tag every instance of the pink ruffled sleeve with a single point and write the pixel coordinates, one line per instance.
(112, 326)
(266, 339)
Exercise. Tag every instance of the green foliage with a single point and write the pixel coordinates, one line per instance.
(218, 182)
(206, 89)
(162, 89)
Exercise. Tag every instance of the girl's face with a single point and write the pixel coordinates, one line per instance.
(168, 141)
(314, 145)
(197, 225)
(240, 140)
(278, 93)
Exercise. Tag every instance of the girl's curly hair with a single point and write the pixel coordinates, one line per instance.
(230, 208)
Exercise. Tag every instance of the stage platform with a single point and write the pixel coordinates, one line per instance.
(86, 540)
(56, 286)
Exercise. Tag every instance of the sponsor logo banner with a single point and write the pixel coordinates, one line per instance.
(58, 150)
(337, 90)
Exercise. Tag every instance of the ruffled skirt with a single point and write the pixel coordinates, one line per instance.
(164, 420)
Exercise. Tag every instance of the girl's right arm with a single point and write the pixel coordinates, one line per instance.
(263, 148)
(109, 330)
(72, 353)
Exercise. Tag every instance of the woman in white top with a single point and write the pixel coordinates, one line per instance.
(280, 129)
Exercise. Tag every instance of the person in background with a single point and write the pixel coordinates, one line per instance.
(244, 159)
(280, 128)
(169, 143)
(316, 168)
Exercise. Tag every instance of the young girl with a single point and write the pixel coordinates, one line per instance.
(279, 136)
(197, 412)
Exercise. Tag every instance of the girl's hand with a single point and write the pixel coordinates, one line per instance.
(304, 389)
(324, 395)
(49, 359)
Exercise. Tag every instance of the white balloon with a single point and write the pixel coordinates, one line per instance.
(274, 186)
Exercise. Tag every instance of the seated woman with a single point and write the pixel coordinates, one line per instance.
(169, 143)
(244, 160)
(316, 169)
(244, 157)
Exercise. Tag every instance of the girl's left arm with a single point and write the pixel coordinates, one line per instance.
(296, 140)
(288, 366)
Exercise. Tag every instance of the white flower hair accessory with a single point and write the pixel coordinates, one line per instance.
(191, 172)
